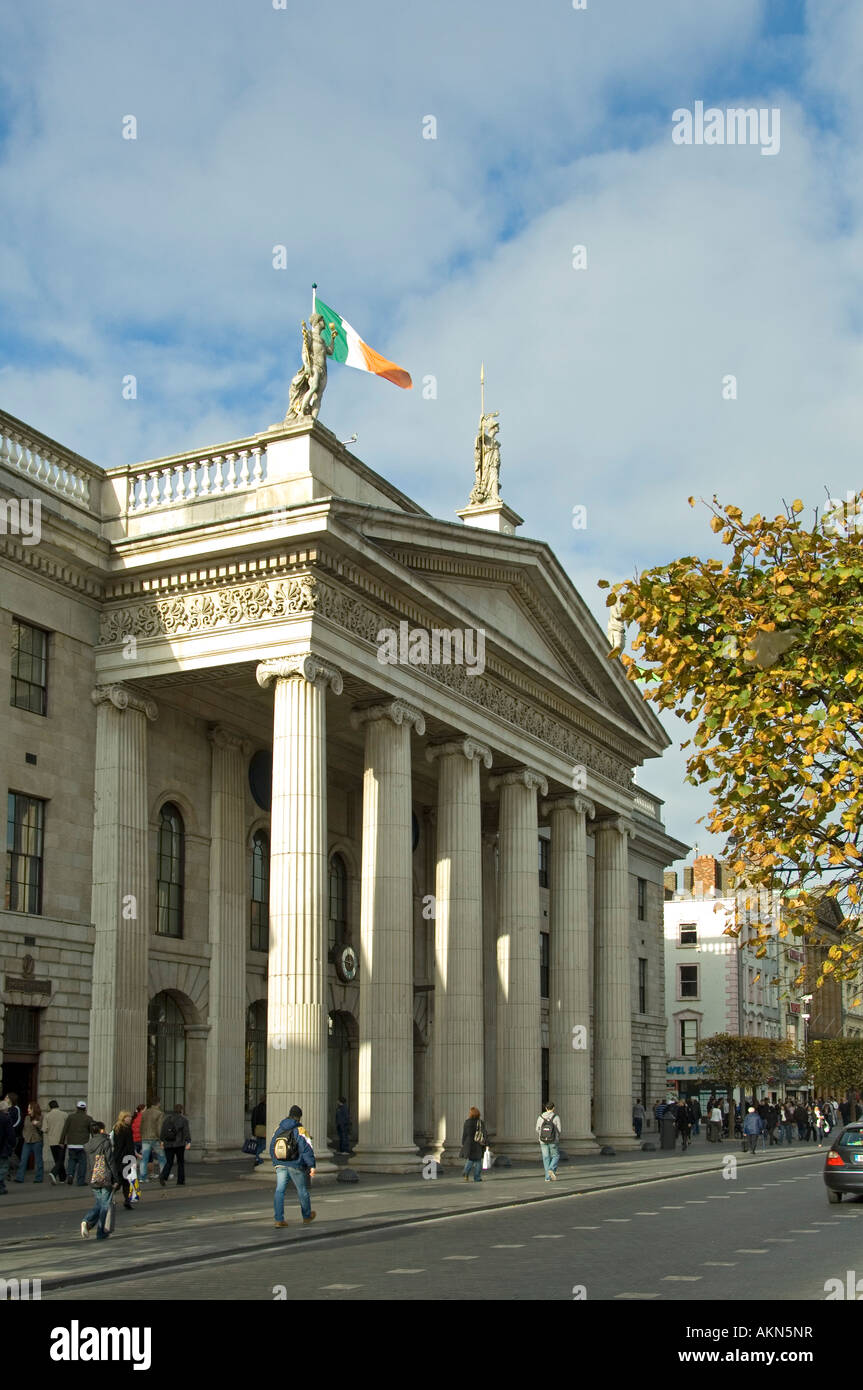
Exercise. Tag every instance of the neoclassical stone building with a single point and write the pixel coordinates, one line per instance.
(312, 794)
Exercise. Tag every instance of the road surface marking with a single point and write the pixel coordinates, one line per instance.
(752, 1252)
(551, 1237)
(636, 1295)
(521, 1247)
(682, 1278)
(405, 1271)
(721, 1264)
(340, 1286)
(460, 1257)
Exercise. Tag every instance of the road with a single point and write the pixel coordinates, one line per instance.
(765, 1234)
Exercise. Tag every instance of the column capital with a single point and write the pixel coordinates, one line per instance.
(398, 711)
(306, 667)
(580, 804)
(619, 824)
(123, 697)
(223, 737)
(520, 777)
(468, 747)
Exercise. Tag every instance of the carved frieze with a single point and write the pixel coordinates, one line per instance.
(197, 612)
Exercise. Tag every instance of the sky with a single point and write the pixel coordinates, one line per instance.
(260, 127)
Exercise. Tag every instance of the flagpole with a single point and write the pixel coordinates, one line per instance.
(314, 297)
(482, 389)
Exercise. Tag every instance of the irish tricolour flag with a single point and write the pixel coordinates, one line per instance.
(350, 349)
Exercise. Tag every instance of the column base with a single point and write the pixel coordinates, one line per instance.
(407, 1160)
(624, 1143)
(583, 1146)
(517, 1149)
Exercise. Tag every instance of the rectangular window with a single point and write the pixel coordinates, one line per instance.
(688, 1036)
(645, 1082)
(544, 846)
(642, 985)
(22, 1029)
(543, 965)
(29, 667)
(544, 1068)
(687, 981)
(642, 899)
(25, 821)
(688, 934)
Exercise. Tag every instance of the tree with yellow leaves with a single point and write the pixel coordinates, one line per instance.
(763, 652)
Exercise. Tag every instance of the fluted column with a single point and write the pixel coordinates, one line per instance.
(229, 919)
(117, 1074)
(612, 1010)
(296, 979)
(386, 957)
(519, 1038)
(489, 974)
(569, 971)
(458, 1018)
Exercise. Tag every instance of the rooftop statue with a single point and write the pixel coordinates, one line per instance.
(616, 627)
(486, 455)
(307, 387)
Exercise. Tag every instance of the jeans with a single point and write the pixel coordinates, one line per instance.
(172, 1150)
(786, 1131)
(473, 1165)
(147, 1147)
(260, 1144)
(28, 1148)
(76, 1163)
(696, 1126)
(99, 1211)
(636, 1124)
(550, 1157)
(297, 1175)
(58, 1153)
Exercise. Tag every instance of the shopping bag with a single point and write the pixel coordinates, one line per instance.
(250, 1146)
(109, 1217)
(487, 1160)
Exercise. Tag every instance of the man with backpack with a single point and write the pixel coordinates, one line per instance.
(293, 1157)
(548, 1134)
(176, 1138)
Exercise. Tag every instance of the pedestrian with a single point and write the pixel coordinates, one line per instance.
(639, 1115)
(259, 1128)
(32, 1132)
(76, 1135)
(845, 1111)
(683, 1122)
(14, 1111)
(136, 1129)
(343, 1125)
(177, 1139)
(714, 1123)
(659, 1111)
(726, 1112)
(773, 1124)
(752, 1128)
(695, 1107)
(801, 1119)
(813, 1118)
(786, 1115)
(822, 1126)
(125, 1162)
(548, 1134)
(104, 1178)
(52, 1132)
(152, 1120)
(293, 1158)
(7, 1145)
(473, 1142)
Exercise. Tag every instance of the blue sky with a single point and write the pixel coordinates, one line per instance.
(260, 127)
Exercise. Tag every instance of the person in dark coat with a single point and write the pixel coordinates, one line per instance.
(343, 1125)
(177, 1139)
(7, 1145)
(123, 1143)
(259, 1128)
(473, 1142)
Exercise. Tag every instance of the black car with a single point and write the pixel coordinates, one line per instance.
(843, 1166)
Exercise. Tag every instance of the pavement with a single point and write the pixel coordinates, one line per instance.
(225, 1209)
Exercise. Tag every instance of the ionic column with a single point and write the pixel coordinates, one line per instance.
(489, 974)
(296, 981)
(458, 1017)
(612, 1009)
(117, 1074)
(386, 964)
(229, 917)
(569, 971)
(519, 1039)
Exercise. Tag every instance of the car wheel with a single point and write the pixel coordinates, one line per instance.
(834, 1198)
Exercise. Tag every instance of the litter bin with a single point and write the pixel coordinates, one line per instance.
(668, 1131)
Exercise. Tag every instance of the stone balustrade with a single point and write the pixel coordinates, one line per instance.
(189, 477)
(46, 464)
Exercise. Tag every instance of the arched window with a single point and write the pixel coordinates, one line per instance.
(256, 1053)
(338, 902)
(166, 1052)
(169, 872)
(259, 904)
